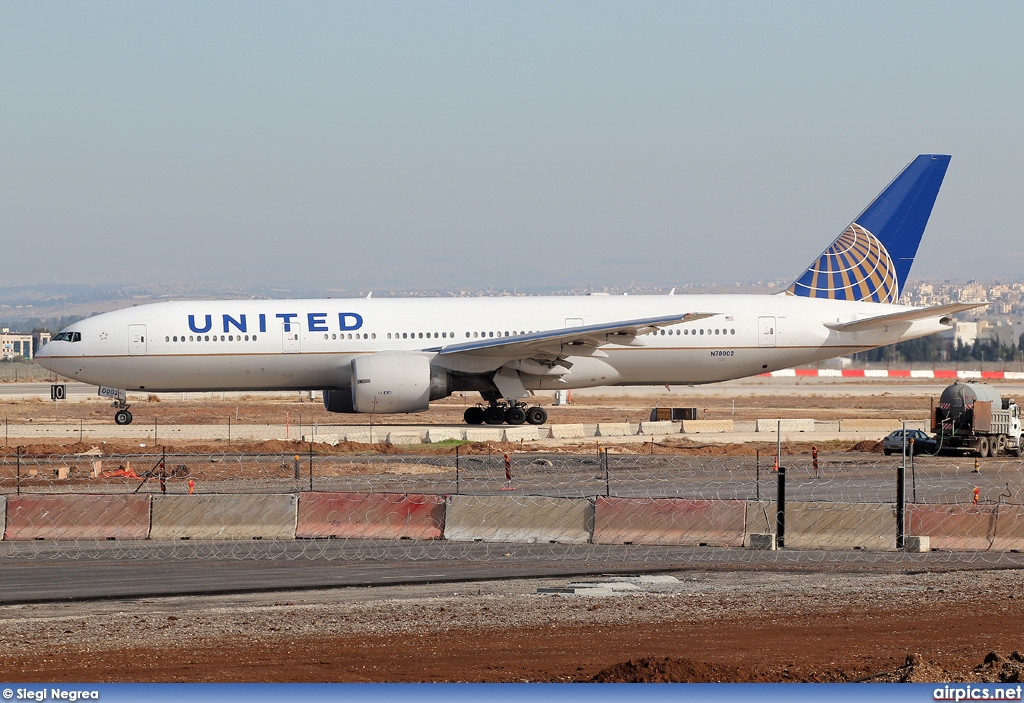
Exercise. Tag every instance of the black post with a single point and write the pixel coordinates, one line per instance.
(156, 431)
(913, 479)
(901, 499)
(163, 471)
(19, 450)
(310, 465)
(456, 469)
(607, 479)
(780, 510)
(757, 489)
(229, 431)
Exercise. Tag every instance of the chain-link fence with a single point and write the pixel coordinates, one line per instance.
(440, 506)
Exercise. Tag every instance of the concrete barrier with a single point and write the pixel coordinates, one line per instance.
(788, 425)
(483, 434)
(675, 521)
(521, 433)
(224, 516)
(663, 427)
(840, 526)
(567, 431)
(370, 515)
(614, 429)
(827, 525)
(707, 426)
(435, 435)
(881, 425)
(75, 517)
(365, 436)
(508, 518)
(403, 438)
(968, 527)
(331, 439)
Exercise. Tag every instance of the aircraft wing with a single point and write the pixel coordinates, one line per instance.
(556, 341)
(870, 323)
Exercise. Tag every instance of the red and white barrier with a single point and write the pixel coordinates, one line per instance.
(898, 373)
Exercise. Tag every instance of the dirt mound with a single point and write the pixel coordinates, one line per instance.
(914, 670)
(997, 669)
(667, 670)
(867, 445)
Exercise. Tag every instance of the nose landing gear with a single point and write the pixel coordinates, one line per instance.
(122, 416)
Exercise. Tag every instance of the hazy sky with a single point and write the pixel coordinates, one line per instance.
(444, 144)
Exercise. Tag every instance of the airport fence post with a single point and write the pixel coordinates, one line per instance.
(913, 475)
(780, 510)
(229, 431)
(19, 452)
(456, 469)
(607, 478)
(80, 430)
(901, 495)
(757, 475)
(311, 464)
(901, 499)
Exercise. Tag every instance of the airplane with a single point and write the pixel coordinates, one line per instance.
(395, 355)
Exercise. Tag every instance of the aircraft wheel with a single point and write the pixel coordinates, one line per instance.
(474, 415)
(537, 415)
(123, 417)
(494, 415)
(515, 415)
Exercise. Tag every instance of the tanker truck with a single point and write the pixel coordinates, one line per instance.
(973, 418)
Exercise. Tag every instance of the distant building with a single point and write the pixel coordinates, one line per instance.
(20, 346)
(15, 346)
(962, 332)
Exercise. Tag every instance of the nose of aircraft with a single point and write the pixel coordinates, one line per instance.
(43, 356)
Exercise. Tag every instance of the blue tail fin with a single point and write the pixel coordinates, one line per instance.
(871, 259)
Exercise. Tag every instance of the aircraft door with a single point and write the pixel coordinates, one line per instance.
(292, 339)
(136, 340)
(766, 331)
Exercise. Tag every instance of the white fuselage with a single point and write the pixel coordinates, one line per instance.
(309, 344)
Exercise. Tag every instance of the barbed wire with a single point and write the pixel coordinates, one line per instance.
(480, 506)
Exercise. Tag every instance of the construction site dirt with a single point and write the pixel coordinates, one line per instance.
(709, 626)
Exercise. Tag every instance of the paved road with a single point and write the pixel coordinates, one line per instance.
(102, 570)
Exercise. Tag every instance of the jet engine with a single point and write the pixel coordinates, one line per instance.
(390, 382)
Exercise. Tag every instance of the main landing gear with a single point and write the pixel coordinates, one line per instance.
(498, 412)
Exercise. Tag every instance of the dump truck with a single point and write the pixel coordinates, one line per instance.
(974, 418)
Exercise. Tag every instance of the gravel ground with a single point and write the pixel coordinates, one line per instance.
(50, 641)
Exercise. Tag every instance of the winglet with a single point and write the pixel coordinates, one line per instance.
(871, 259)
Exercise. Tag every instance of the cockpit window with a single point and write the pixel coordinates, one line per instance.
(68, 337)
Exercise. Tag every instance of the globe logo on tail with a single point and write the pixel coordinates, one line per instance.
(855, 267)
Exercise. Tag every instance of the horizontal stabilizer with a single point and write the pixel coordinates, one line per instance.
(871, 323)
(551, 341)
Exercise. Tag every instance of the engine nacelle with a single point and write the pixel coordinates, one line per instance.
(396, 382)
(339, 401)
